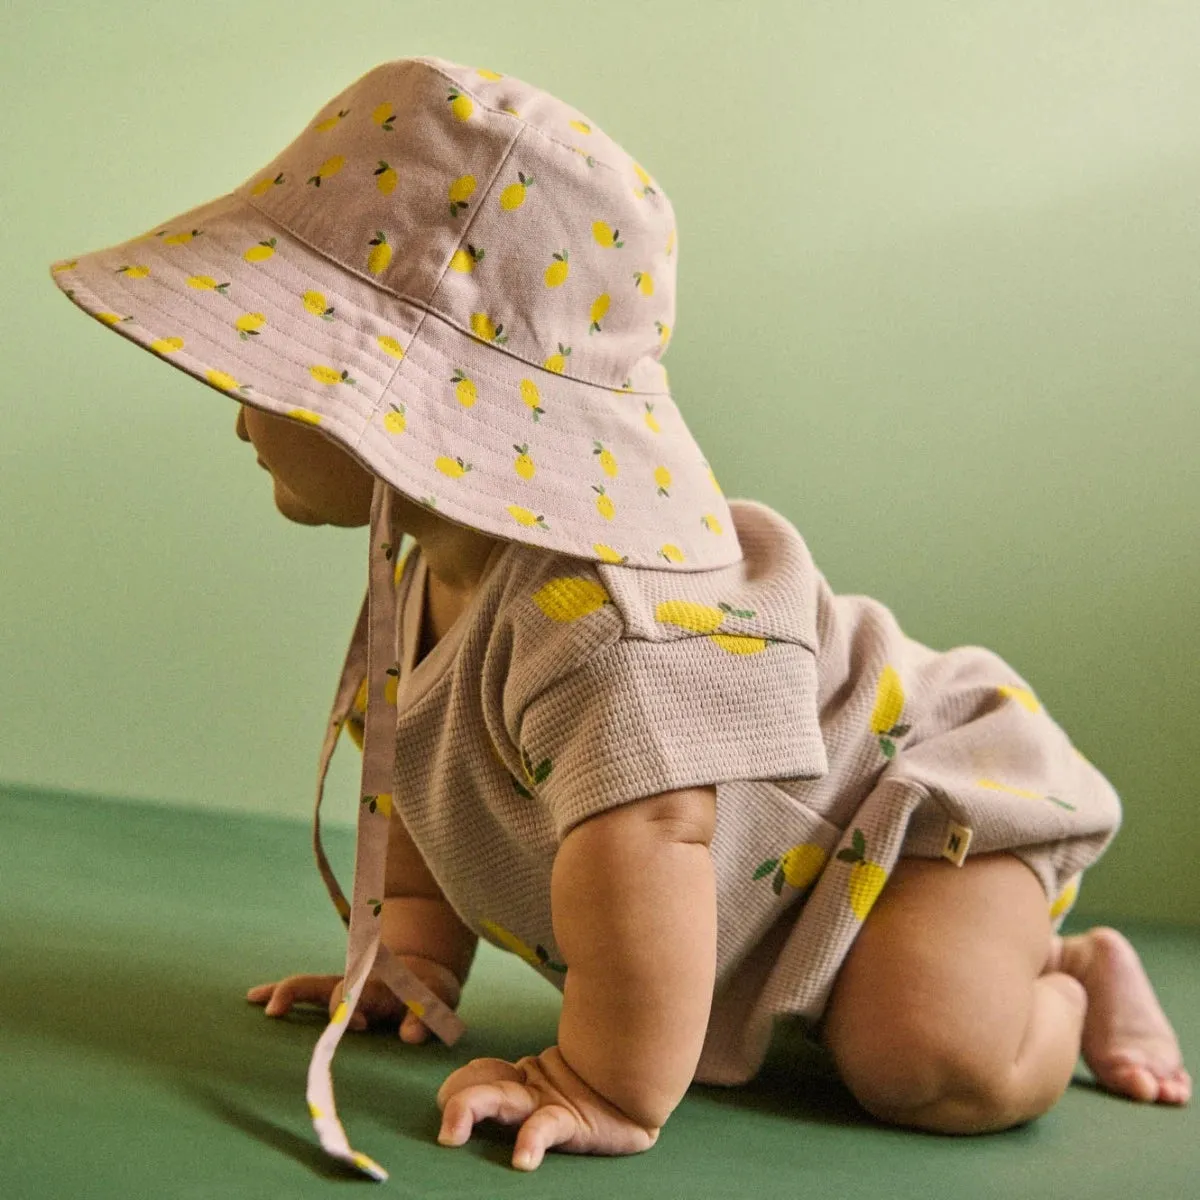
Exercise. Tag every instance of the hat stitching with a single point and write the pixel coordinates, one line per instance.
(145, 300)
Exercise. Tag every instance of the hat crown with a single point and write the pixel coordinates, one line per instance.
(494, 205)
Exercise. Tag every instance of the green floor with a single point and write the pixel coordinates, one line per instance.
(131, 1065)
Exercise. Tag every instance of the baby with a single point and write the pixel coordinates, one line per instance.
(610, 720)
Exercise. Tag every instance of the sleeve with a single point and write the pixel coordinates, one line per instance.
(639, 717)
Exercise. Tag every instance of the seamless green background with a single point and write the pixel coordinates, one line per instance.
(937, 267)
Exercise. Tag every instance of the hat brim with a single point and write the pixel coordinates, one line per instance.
(227, 295)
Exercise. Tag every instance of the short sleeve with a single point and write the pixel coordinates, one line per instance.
(640, 717)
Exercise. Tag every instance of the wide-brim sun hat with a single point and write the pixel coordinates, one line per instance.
(466, 284)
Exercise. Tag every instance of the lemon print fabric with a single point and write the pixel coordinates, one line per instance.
(534, 775)
(797, 867)
(866, 877)
(535, 956)
(567, 598)
(889, 705)
(707, 620)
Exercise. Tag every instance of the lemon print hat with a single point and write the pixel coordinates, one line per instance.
(465, 283)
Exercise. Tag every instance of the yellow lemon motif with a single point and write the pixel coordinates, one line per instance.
(486, 74)
(670, 241)
(395, 421)
(570, 597)
(265, 184)
(687, 614)
(663, 478)
(599, 308)
(315, 1112)
(513, 196)
(531, 398)
(738, 643)
(223, 380)
(454, 467)
(523, 464)
(524, 517)
(378, 259)
(644, 283)
(511, 942)
(330, 167)
(460, 105)
(605, 235)
(248, 325)
(329, 122)
(386, 181)
(69, 265)
(381, 803)
(111, 318)
(866, 877)
(650, 419)
(464, 388)
(137, 272)
(1065, 898)
(179, 239)
(1022, 695)
(389, 345)
(368, 1165)
(260, 252)
(330, 375)
(383, 116)
(802, 864)
(167, 345)
(556, 272)
(712, 478)
(797, 867)
(304, 414)
(465, 260)
(664, 332)
(604, 504)
(340, 1013)
(889, 704)
(608, 554)
(461, 191)
(641, 174)
(483, 327)
(314, 302)
(670, 552)
(710, 523)
(360, 697)
(582, 126)
(206, 283)
(608, 464)
(556, 362)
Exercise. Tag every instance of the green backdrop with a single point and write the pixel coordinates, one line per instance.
(938, 269)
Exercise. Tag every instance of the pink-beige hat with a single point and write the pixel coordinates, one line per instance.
(469, 286)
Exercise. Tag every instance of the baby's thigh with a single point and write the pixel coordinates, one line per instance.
(936, 990)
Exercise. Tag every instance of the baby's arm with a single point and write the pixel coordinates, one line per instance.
(633, 895)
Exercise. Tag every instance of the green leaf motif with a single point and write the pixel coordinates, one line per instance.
(766, 868)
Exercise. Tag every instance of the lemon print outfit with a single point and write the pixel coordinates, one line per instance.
(469, 286)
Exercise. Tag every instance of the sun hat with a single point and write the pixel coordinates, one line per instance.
(468, 286)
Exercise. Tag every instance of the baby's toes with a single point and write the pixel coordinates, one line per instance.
(1175, 1088)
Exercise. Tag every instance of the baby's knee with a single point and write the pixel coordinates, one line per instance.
(907, 1077)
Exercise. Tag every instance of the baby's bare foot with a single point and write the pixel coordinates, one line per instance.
(1127, 1040)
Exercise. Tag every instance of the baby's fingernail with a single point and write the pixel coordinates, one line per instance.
(523, 1159)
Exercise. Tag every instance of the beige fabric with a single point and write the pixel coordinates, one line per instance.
(837, 743)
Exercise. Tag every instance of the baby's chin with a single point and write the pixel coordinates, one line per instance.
(294, 509)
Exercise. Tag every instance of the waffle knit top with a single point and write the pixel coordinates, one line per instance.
(837, 743)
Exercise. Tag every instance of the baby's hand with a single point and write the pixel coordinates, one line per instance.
(553, 1106)
(377, 1003)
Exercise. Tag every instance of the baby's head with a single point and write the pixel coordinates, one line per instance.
(319, 483)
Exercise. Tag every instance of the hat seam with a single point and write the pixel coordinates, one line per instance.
(145, 300)
(526, 124)
(461, 500)
(427, 307)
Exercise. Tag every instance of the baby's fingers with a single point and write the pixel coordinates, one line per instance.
(278, 998)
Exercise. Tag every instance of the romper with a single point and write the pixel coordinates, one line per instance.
(836, 744)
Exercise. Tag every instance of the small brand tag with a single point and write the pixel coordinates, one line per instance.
(958, 839)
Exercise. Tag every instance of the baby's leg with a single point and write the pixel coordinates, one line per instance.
(949, 1012)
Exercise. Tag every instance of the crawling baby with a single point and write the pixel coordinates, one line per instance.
(610, 720)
